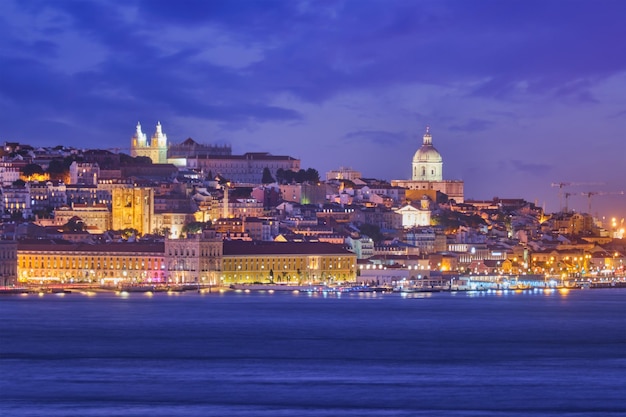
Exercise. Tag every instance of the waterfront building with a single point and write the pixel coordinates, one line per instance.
(361, 245)
(8, 263)
(427, 173)
(156, 149)
(196, 258)
(133, 208)
(58, 261)
(286, 263)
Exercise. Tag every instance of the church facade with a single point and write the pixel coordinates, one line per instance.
(427, 174)
(156, 149)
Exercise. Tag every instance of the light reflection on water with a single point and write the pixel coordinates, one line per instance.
(483, 353)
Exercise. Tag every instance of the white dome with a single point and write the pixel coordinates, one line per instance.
(427, 153)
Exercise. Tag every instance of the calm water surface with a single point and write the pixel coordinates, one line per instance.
(283, 354)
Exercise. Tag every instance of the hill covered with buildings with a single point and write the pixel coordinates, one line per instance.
(196, 213)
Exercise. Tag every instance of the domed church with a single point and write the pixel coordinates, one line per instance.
(427, 162)
(427, 174)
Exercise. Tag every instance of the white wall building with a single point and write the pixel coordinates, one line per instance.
(415, 216)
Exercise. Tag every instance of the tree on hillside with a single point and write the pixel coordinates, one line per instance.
(312, 175)
(74, 225)
(32, 169)
(288, 176)
(193, 228)
(138, 160)
(267, 176)
(59, 169)
(372, 231)
(280, 176)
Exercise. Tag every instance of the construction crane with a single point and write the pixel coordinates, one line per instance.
(569, 184)
(590, 194)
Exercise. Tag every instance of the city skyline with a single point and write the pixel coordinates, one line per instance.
(518, 95)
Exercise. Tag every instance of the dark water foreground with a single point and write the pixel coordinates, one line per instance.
(283, 354)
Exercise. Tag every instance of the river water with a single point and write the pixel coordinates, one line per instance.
(528, 353)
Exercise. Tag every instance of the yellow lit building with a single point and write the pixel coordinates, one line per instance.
(194, 259)
(172, 223)
(133, 208)
(97, 215)
(155, 149)
(57, 261)
(286, 262)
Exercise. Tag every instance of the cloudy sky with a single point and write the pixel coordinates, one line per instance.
(518, 94)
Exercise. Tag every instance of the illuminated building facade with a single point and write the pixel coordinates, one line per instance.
(172, 223)
(47, 195)
(427, 173)
(133, 208)
(96, 215)
(16, 199)
(105, 187)
(81, 194)
(58, 261)
(415, 216)
(286, 262)
(84, 173)
(343, 174)
(194, 259)
(156, 149)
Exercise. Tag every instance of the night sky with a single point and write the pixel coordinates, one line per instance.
(518, 94)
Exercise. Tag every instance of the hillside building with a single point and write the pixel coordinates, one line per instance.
(427, 174)
(156, 149)
(133, 208)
